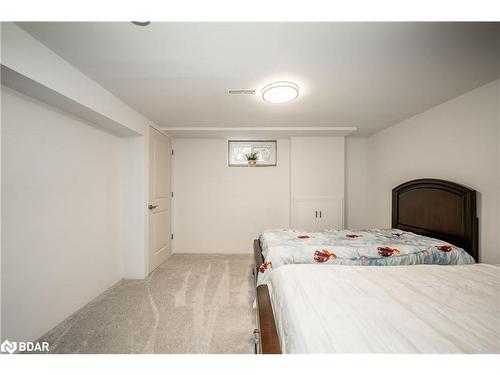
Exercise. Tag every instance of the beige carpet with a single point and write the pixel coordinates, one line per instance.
(190, 304)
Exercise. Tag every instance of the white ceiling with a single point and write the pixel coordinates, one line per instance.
(364, 75)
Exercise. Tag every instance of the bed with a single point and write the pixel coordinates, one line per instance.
(441, 211)
(402, 309)
(433, 222)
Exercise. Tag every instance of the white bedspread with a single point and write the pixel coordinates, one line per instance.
(399, 309)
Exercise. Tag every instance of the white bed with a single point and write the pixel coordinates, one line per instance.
(397, 309)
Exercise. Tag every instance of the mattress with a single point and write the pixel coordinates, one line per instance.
(400, 309)
(373, 247)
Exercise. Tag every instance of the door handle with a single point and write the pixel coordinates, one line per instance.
(320, 214)
(151, 207)
(316, 214)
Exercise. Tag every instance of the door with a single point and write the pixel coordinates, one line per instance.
(307, 215)
(160, 158)
(316, 213)
(331, 213)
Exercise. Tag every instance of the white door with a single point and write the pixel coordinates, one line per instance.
(316, 213)
(160, 157)
(331, 213)
(307, 215)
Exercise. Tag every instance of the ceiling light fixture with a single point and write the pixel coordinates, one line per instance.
(280, 92)
(141, 23)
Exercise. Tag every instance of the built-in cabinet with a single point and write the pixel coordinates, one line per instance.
(317, 182)
(315, 213)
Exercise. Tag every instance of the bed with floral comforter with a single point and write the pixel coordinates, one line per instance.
(373, 247)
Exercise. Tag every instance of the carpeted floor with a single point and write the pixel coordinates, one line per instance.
(190, 304)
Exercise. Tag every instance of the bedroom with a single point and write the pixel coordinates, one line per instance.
(198, 187)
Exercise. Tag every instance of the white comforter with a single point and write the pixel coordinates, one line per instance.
(399, 309)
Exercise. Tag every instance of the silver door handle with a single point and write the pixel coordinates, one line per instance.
(152, 206)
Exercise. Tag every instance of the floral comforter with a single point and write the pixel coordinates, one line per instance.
(373, 247)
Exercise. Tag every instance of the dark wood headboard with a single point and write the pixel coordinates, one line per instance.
(439, 209)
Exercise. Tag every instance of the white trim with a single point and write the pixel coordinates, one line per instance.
(267, 128)
(256, 133)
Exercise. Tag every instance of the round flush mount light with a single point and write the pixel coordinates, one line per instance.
(141, 23)
(280, 92)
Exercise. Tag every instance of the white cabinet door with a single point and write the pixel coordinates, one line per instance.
(306, 215)
(317, 182)
(331, 213)
(316, 213)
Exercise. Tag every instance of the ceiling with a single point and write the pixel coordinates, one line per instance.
(364, 75)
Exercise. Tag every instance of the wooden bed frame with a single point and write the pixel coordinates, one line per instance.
(430, 207)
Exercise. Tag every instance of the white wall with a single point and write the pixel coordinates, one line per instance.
(60, 215)
(1, 151)
(356, 182)
(217, 208)
(62, 83)
(456, 141)
(133, 200)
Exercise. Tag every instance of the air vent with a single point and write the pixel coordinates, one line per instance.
(240, 92)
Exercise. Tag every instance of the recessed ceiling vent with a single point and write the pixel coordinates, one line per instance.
(240, 92)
